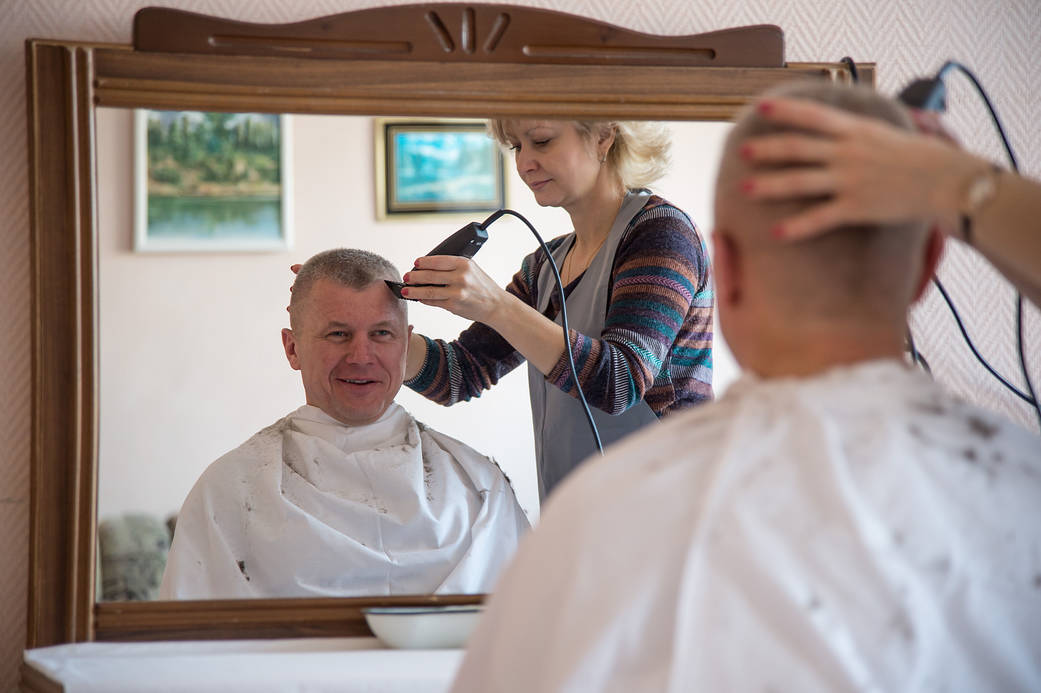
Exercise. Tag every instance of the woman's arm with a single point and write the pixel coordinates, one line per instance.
(660, 278)
(450, 372)
(461, 287)
(1008, 233)
(875, 173)
(660, 295)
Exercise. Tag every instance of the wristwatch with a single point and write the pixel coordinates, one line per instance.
(980, 191)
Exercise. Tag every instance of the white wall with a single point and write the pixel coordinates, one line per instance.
(191, 357)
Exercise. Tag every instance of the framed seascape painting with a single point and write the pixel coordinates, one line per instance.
(206, 181)
(430, 166)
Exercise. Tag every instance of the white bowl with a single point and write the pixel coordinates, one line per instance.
(423, 627)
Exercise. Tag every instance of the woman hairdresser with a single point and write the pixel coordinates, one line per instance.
(638, 289)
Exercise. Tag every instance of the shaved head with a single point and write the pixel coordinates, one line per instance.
(851, 273)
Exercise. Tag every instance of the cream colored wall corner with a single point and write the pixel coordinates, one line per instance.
(997, 38)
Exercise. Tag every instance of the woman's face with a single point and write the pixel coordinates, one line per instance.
(555, 161)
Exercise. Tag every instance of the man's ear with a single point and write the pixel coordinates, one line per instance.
(726, 265)
(931, 255)
(289, 344)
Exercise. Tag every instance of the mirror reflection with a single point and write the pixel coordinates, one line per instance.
(191, 359)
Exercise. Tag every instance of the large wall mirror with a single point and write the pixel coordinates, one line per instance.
(190, 358)
(115, 392)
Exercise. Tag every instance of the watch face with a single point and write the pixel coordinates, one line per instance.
(982, 188)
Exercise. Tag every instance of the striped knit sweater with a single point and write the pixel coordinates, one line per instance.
(656, 343)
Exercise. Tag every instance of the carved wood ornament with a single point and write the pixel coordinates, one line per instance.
(431, 60)
(455, 32)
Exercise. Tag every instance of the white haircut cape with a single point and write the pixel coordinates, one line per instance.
(310, 507)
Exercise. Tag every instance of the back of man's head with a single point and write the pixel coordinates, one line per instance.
(854, 273)
(349, 267)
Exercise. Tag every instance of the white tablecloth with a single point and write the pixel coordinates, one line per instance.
(344, 665)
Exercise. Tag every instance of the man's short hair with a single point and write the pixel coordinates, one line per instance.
(349, 267)
(856, 99)
(850, 268)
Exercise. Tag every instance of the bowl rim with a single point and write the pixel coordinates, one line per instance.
(421, 610)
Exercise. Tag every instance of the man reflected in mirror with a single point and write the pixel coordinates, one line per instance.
(348, 495)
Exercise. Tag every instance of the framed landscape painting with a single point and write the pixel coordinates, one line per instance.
(429, 166)
(208, 181)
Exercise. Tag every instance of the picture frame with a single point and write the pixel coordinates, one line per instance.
(431, 166)
(212, 182)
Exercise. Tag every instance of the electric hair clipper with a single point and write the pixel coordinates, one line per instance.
(464, 243)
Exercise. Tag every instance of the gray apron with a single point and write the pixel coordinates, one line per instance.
(562, 434)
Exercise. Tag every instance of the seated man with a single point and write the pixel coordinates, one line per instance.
(348, 495)
(835, 522)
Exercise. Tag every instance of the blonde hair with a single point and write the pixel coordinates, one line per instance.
(640, 152)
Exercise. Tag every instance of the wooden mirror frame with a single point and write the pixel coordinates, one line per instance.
(406, 60)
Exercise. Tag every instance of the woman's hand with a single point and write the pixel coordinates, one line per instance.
(470, 293)
(870, 172)
(465, 289)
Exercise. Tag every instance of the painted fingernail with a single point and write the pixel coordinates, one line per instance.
(747, 186)
(404, 291)
(405, 278)
(765, 107)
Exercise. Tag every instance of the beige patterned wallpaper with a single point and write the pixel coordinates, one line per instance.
(997, 38)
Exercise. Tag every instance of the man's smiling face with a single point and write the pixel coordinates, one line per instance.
(349, 346)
